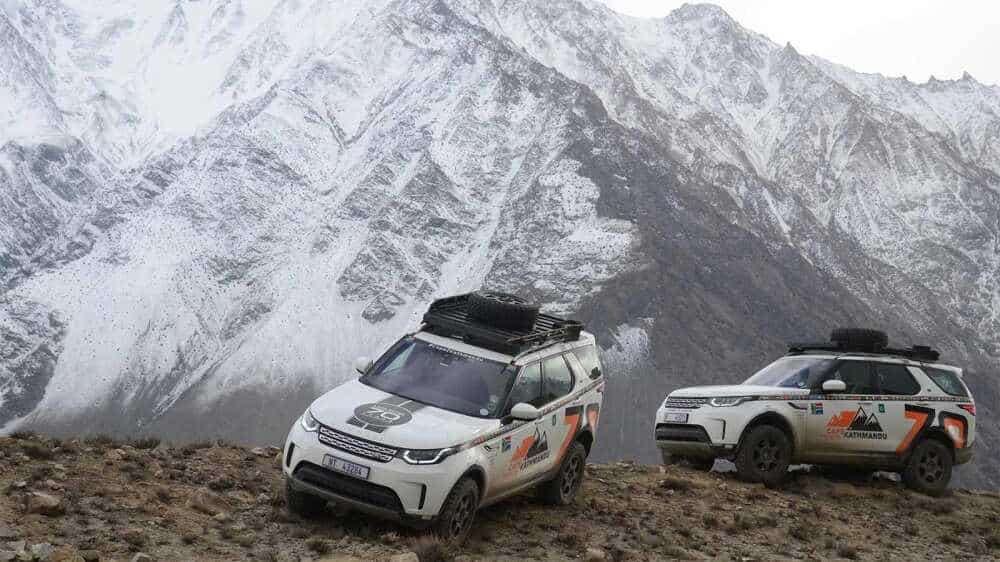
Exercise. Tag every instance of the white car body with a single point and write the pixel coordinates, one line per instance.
(355, 456)
(873, 429)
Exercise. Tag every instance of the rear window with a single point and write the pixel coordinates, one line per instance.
(588, 358)
(947, 380)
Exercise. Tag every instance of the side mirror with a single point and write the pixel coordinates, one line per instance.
(595, 373)
(834, 386)
(525, 411)
(362, 365)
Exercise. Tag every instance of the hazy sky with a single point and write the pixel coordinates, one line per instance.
(916, 38)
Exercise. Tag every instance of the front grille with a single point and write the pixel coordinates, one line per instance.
(355, 445)
(349, 487)
(687, 403)
(682, 432)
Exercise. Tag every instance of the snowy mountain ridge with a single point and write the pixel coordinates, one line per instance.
(209, 204)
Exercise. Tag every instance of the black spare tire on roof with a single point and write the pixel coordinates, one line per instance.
(860, 338)
(502, 310)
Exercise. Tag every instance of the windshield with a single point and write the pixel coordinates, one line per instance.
(792, 372)
(442, 377)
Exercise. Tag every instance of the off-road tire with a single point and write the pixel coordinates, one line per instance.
(764, 455)
(458, 512)
(929, 468)
(502, 310)
(303, 504)
(860, 338)
(563, 489)
(701, 464)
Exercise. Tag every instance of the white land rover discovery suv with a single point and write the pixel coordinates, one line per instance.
(854, 402)
(487, 399)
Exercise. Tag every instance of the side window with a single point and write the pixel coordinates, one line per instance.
(557, 379)
(947, 380)
(895, 379)
(590, 361)
(856, 375)
(528, 386)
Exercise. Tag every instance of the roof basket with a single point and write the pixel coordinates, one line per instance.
(449, 317)
(916, 352)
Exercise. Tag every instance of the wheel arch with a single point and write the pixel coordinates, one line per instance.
(936, 433)
(478, 475)
(770, 418)
(586, 438)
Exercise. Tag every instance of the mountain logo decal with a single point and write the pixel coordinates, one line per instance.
(850, 424)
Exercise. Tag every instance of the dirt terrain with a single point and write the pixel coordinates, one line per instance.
(97, 499)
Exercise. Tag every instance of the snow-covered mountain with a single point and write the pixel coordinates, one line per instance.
(207, 208)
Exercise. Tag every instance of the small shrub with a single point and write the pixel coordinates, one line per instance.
(101, 439)
(804, 530)
(993, 541)
(675, 483)
(23, 435)
(146, 443)
(569, 540)
(319, 546)
(37, 451)
(847, 551)
(431, 549)
(710, 520)
(221, 484)
(189, 538)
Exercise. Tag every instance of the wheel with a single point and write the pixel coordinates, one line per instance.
(562, 489)
(929, 467)
(764, 455)
(502, 310)
(458, 511)
(860, 337)
(303, 504)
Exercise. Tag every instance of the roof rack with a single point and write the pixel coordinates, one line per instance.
(916, 352)
(448, 317)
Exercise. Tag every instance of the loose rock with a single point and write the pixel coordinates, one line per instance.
(45, 504)
(405, 557)
(595, 555)
(65, 554)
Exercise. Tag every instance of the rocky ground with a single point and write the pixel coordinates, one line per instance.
(97, 499)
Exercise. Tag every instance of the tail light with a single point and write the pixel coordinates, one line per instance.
(971, 408)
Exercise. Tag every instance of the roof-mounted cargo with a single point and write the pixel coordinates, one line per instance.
(450, 317)
(857, 340)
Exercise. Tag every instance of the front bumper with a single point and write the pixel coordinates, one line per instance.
(704, 434)
(394, 489)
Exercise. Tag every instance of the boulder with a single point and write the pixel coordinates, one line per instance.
(65, 554)
(44, 504)
(41, 551)
(595, 555)
(207, 502)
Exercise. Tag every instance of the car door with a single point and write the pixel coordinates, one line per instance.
(561, 420)
(845, 423)
(515, 464)
(896, 384)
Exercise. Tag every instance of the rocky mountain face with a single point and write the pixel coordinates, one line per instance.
(207, 209)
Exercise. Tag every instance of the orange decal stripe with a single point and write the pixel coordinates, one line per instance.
(918, 423)
(571, 421)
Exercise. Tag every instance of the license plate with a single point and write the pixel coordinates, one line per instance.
(675, 418)
(347, 467)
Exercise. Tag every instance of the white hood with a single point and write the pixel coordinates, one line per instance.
(427, 427)
(735, 390)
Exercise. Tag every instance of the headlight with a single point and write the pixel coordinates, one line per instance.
(723, 401)
(425, 456)
(309, 423)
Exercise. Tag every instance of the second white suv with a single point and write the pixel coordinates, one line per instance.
(487, 399)
(853, 402)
